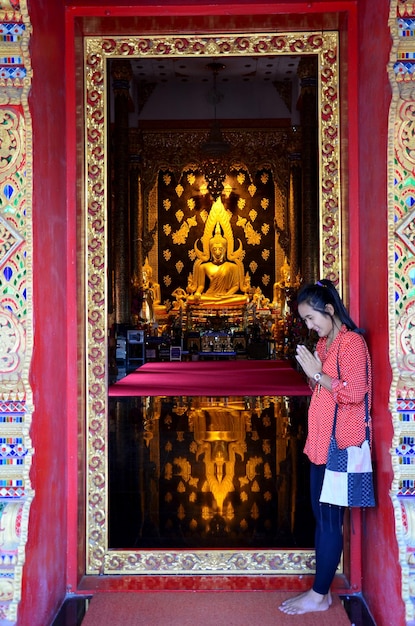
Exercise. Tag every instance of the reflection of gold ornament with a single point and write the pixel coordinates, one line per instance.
(255, 511)
(220, 435)
(255, 487)
(185, 468)
(206, 515)
(229, 512)
(252, 465)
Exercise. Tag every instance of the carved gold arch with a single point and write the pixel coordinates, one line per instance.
(324, 45)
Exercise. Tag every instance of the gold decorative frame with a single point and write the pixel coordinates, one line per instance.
(97, 50)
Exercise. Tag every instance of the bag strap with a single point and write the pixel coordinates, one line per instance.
(367, 417)
(367, 429)
(333, 434)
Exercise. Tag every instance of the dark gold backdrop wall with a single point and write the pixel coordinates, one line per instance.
(182, 213)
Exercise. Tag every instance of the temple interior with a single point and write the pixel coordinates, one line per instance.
(213, 207)
(213, 217)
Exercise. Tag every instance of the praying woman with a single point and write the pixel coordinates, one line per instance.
(339, 373)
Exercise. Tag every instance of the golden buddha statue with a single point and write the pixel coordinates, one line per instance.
(152, 306)
(280, 288)
(218, 263)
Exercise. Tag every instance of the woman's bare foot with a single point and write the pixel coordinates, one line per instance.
(306, 602)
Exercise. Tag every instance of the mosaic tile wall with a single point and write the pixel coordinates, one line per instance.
(401, 166)
(15, 293)
(15, 301)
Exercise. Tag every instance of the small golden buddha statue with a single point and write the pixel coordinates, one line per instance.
(280, 287)
(152, 294)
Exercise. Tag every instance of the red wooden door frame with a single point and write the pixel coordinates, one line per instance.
(85, 18)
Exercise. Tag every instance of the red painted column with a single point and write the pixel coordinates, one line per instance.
(44, 572)
(381, 569)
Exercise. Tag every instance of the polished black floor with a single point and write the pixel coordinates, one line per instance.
(233, 467)
(74, 608)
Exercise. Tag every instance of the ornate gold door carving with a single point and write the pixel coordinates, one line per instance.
(98, 50)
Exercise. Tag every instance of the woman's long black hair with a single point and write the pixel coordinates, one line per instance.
(320, 294)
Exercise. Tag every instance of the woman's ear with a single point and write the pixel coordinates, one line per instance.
(330, 309)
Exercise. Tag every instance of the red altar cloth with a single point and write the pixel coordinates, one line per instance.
(212, 378)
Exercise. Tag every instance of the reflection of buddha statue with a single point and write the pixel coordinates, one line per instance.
(220, 469)
(218, 263)
(220, 435)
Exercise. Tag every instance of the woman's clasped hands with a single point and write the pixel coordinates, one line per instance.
(310, 363)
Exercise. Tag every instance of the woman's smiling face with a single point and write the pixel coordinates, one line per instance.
(314, 320)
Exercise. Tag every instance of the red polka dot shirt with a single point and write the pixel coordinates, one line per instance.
(348, 392)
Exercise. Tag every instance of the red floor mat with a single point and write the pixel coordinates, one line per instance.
(163, 608)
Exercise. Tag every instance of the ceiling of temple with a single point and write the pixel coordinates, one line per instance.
(247, 88)
(253, 70)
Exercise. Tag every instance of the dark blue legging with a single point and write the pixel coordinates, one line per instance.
(329, 533)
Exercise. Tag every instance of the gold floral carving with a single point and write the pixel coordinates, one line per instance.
(406, 341)
(11, 138)
(12, 12)
(406, 231)
(179, 149)
(7, 5)
(97, 51)
(10, 240)
(12, 347)
(210, 562)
